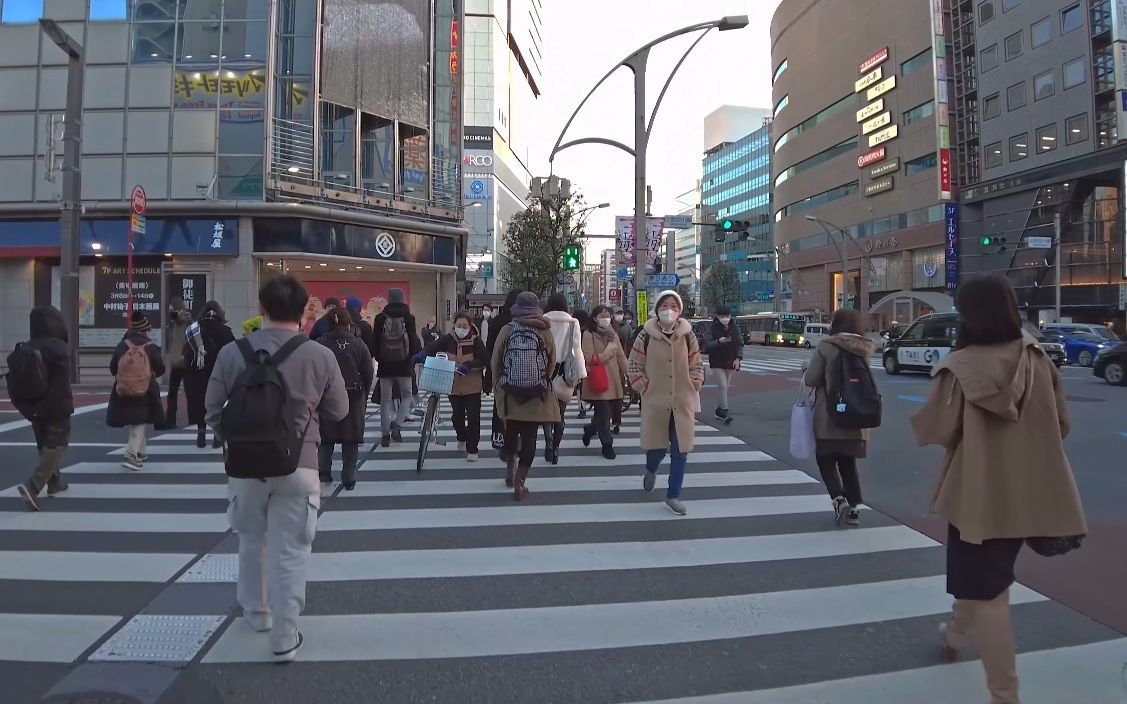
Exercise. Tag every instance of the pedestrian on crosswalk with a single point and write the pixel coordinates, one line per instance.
(501, 317)
(204, 338)
(570, 368)
(135, 396)
(179, 317)
(522, 364)
(724, 344)
(838, 448)
(999, 410)
(604, 386)
(666, 368)
(396, 342)
(354, 359)
(464, 346)
(275, 516)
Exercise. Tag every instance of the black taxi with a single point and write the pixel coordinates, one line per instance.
(923, 345)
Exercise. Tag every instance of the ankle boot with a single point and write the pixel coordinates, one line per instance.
(608, 452)
(519, 489)
(511, 470)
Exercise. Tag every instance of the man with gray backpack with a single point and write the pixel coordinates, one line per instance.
(396, 342)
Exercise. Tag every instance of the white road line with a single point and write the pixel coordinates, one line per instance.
(86, 522)
(424, 636)
(90, 566)
(17, 424)
(50, 637)
(573, 429)
(380, 462)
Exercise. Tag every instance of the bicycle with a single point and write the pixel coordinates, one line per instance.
(432, 418)
(437, 379)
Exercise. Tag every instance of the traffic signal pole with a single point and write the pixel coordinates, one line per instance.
(1057, 262)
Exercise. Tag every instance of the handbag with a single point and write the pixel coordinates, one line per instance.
(597, 379)
(1052, 547)
(802, 441)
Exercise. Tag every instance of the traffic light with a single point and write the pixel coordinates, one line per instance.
(571, 258)
(724, 226)
(997, 243)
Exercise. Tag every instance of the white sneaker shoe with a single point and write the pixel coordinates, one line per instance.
(290, 655)
(471, 457)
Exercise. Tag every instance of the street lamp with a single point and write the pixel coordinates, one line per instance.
(637, 62)
(71, 210)
(844, 261)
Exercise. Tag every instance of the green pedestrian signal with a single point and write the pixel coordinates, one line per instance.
(571, 258)
(985, 241)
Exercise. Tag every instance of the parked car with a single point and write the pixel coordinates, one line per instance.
(1082, 347)
(1051, 343)
(1111, 365)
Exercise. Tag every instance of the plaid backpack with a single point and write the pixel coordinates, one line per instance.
(524, 375)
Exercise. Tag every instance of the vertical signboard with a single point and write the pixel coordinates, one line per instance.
(951, 235)
(643, 310)
(942, 107)
(627, 242)
(190, 288)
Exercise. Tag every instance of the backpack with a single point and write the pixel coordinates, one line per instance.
(524, 373)
(394, 345)
(349, 370)
(854, 403)
(27, 376)
(257, 422)
(134, 371)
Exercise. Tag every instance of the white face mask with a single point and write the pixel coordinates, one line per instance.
(725, 321)
(667, 315)
(486, 314)
(618, 318)
(604, 322)
(461, 332)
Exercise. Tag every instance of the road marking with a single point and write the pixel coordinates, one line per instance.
(573, 428)
(51, 566)
(73, 444)
(88, 522)
(913, 399)
(50, 637)
(17, 424)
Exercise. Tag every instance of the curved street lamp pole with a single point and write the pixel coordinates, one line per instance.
(841, 247)
(637, 62)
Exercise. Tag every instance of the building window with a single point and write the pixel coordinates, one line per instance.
(989, 58)
(1014, 46)
(846, 103)
(920, 164)
(916, 63)
(20, 11)
(1040, 33)
(993, 155)
(1044, 85)
(1073, 73)
(1015, 96)
(107, 10)
(1071, 19)
(991, 107)
(985, 12)
(814, 201)
(783, 102)
(1019, 146)
(848, 146)
(1047, 138)
(779, 71)
(919, 112)
(1076, 129)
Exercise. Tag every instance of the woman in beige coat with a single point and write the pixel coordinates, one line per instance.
(666, 368)
(998, 409)
(601, 343)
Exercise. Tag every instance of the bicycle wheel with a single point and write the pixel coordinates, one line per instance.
(428, 430)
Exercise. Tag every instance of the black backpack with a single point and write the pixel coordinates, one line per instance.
(27, 376)
(349, 370)
(854, 403)
(257, 424)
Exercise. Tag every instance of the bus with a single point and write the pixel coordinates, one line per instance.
(773, 328)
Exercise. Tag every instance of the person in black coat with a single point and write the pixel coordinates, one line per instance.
(322, 326)
(724, 344)
(204, 338)
(49, 414)
(355, 362)
(395, 374)
(360, 327)
(134, 414)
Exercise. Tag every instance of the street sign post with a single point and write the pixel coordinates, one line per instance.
(138, 202)
(623, 273)
(665, 281)
(1039, 242)
(678, 222)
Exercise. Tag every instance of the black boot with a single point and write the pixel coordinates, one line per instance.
(608, 452)
(588, 432)
(201, 438)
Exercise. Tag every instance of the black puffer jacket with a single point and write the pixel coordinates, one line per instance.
(349, 429)
(723, 355)
(388, 369)
(49, 335)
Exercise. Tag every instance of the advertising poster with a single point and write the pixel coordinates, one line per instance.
(626, 242)
(373, 295)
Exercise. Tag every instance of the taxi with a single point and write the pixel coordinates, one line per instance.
(923, 345)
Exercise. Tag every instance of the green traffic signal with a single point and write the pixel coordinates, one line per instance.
(726, 225)
(985, 241)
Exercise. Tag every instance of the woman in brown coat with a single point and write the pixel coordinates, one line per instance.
(667, 370)
(523, 390)
(998, 409)
(464, 346)
(601, 345)
(837, 449)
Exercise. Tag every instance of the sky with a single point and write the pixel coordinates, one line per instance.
(585, 38)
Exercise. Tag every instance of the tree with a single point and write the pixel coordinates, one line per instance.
(689, 299)
(721, 287)
(535, 239)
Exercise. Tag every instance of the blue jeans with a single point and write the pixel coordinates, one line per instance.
(677, 462)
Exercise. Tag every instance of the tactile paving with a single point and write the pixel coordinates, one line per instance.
(212, 568)
(154, 638)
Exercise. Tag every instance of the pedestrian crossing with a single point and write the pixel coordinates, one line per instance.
(760, 364)
(441, 584)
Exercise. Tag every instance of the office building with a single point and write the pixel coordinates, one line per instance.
(683, 246)
(1040, 121)
(861, 162)
(262, 142)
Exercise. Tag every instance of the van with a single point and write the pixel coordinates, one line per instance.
(923, 345)
(1068, 329)
(815, 333)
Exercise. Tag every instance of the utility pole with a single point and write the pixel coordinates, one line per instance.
(1056, 265)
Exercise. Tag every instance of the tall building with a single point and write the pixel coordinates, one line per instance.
(736, 184)
(684, 245)
(262, 141)
(504, 80)
(862, 167)
(1039, 96)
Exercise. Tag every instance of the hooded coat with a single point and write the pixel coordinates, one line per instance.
(568, 340)
(388, 369)
(349, 429)
(215, 334)
(605, 345)
(536, 410)
(49, 335)
(1000, 413)
(146, 410)
(468, 350)
(821, 375)
(668, 372)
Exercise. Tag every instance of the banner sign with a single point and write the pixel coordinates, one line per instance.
(111, 291)
(951, 235)
(626, 242)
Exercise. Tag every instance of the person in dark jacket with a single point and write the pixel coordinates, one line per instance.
(430, 333)
(179, 317)
(724, 344)
(322, 326)
(500, 319)
(50, 414)
(395, 373)
(204, 338)
(464, 346)
(134, 413)
(360, 327)
(349, 431)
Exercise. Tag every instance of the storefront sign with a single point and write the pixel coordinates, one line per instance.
(875, 60)
(881, 88)
(878, 244)
(884, 135)
(190, 288)
(868, 79)
(888, 168)
(876, 123)
(879, 186)
(478, 160)
(951, 255)
(942, 97)
(304, 235)
(478, 190)
(478, 138)
(111, 291)
(178, 236)
(870, 110)
(872, 157)
(945, 185)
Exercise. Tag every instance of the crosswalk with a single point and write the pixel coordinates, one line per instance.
(592, 587)
(758, 363)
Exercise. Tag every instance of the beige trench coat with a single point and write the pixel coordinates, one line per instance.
(668, 372)
(611, 355)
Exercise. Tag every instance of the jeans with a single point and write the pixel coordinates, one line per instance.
(677, 462)
(349, 452)
(839, 473)
(600, 423)
(522, 432)
(467, 420)
(52, 438)
(137, 443)
(276, 520)
(616, 412)
(387, 402)
(723, 381)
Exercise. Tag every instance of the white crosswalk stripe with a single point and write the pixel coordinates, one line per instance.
(589, 574)
(758, 361)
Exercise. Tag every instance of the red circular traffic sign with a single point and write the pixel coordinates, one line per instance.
(139, 200)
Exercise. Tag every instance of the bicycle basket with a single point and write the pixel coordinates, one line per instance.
(438, 374)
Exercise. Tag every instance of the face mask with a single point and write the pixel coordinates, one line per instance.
(667, 315)
(725, 321)
(604, 322)
(461, 332)
(618, 318)
(486, 314)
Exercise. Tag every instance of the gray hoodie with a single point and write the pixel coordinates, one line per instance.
(312, 376)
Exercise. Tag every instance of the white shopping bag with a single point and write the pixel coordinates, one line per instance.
(802, 424)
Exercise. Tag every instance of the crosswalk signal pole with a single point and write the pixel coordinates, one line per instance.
(1056, 264)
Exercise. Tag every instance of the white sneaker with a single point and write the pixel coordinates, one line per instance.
(471, 457)
(260, 622)
(290, 655)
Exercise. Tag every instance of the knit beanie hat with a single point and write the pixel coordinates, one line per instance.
(527, 304)
(353, 303)
(665, 294)
(139, 323)
(395, 295)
